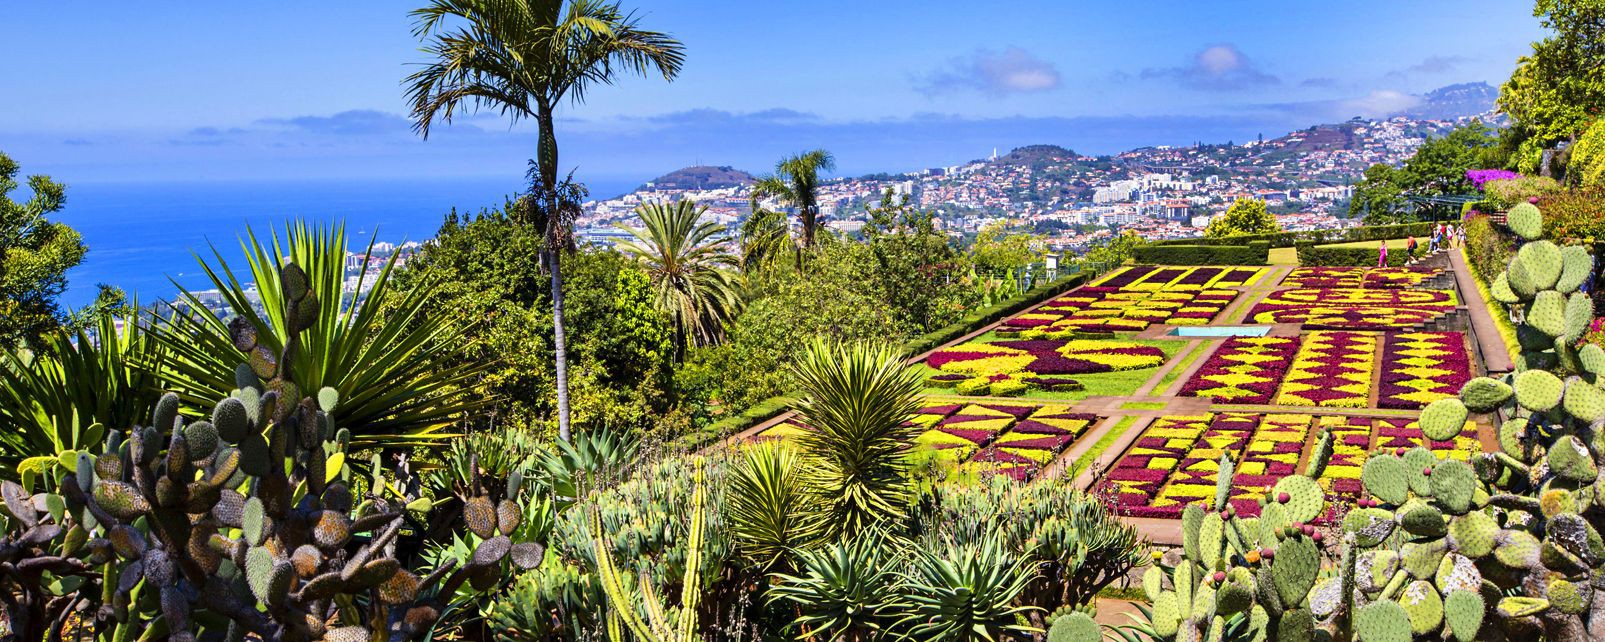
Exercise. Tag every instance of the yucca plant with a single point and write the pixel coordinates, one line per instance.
(842, 591)
(771, 510)
(382, 349)
(58, 399)
(858, 398)
(965, 593)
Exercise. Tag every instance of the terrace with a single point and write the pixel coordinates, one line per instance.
(1135, 383)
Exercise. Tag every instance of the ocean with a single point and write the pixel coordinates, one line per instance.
(140, 235)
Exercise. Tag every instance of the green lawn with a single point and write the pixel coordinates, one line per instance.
(1181, 366)
(1116, 384)
(1097, 449)
(1144, 405)
(1393, 244)
(1283, 256)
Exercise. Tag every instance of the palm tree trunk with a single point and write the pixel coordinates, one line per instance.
(548, 166)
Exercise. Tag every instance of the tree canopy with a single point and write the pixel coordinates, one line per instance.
(1246, 216)
(35, 254)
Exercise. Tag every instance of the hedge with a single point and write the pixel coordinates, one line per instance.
(1311, 255)
(1315, 237)
(1254, 253)
(757, 414)
(982, 318)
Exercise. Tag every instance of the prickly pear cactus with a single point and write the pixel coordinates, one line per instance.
(1507, 545)
(248, 520)
(1248, 578)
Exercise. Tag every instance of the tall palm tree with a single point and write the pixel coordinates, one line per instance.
(523, 58)
(690, 269)
(765, 239)
(796, 183)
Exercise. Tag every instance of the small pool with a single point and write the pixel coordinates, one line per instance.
(1220, 331)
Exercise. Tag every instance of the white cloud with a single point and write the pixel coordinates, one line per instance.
(1011, 71)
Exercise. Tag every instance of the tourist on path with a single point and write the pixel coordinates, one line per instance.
(1382, 254)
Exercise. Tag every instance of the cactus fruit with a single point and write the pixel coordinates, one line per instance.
(1075, 627)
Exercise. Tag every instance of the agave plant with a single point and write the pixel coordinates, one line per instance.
(843, 591)
(59, 398)
(858, 398)
(382, 349)
(965, 592)
(771, 509)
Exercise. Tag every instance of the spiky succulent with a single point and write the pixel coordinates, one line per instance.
(251, 521)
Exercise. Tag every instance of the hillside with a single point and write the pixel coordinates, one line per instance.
(700, 177)
(1456, 101)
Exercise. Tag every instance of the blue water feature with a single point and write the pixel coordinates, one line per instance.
(1220, 331)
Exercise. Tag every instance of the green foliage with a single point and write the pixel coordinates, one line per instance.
(486, 281)
(1000, 250)
(1254, 253)
(35, 254)
(770, 506)
(1379, 196)
(857, 398)
(911, 267)
(62, 397)
(1115, 250)
(693, 282)
(965, 592)
(1329, 255)
(385, 352)
(1587, 164)
(1246, 216)
(1574, 215)
(1501, 195)
(845, 590)
(1557, 91)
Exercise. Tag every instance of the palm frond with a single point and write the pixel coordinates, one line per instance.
(692, 273)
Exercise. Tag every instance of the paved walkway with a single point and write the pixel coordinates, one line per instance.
(1490, 344)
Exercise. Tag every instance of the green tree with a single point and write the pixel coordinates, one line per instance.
(1439, 166)
(1378, 197)
(1557, 90)
(912, 267)
(490, 284)
(997, 250)
(795, 183)
(1116, 250)
(1246, 216)
(35, 254)
(691, 273)
(524, 58)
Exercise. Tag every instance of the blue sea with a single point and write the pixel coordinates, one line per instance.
(140, 235)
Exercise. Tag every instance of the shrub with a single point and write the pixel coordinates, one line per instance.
(1320, 255)
(1574, 215)
(1315, 237)
(1487, 249)
(1502, 194)
(1256, 252)
(1587, 166)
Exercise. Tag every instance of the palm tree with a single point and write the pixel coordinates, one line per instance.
(765, 240)
(523, 58)
(858, 398)
(690, 270)
(796, 183)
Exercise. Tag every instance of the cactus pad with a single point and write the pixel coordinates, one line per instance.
(1543, 261)
(1584, 401)
(1592, 358)
(1485, 394)
(1420, 559)
(1387, 477)
(331, 529)
(1453, 485)
(1569, 458)
(201, 439)
(1473, 534)
(1443, 419)
(1417, 464)
(120, 499)
(1306, 500)
(1370, 526)
(1579, 313)
(1294, 569)
(1075, 627)
(1547, 313)
(1538, 390)
(253, 522)
(1423, 606)
(1463, 612)
(480, 516)
(1382, 621)
(1166, 615)
(1500, 289)
(1457, 573)
(268, 577)
(1525, 220)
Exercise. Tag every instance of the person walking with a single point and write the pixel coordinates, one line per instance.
(1432, 243)
(1410, 251)
(1382, 253)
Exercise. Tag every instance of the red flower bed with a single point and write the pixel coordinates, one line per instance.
(1419, 368)
(1243, 370)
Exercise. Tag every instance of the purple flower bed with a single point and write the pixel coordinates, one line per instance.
(1126, 278)
(1199, 276)
(1395, 394)
(1480, 177)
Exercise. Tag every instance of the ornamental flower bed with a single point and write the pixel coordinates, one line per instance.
(1358, 277)
(1148, 277)
(1176, 461)
(1239, 277)
(1243, 370)
(1353, 308)
(984, 368)
(1108, 309)
(1124, 276)
(1331, 369)
(986, 439)
(1419, 368)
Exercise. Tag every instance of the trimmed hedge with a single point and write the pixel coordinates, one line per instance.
(1310, 255)
(982, 318)
(1254, 253)
(757, 414)
(1315, 237)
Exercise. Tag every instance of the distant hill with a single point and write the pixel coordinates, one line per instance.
(1456, 101)
(1037, 155)
(701, 177)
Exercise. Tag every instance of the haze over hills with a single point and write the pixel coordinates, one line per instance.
(1455, 101)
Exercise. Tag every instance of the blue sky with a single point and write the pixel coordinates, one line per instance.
(102, 91)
